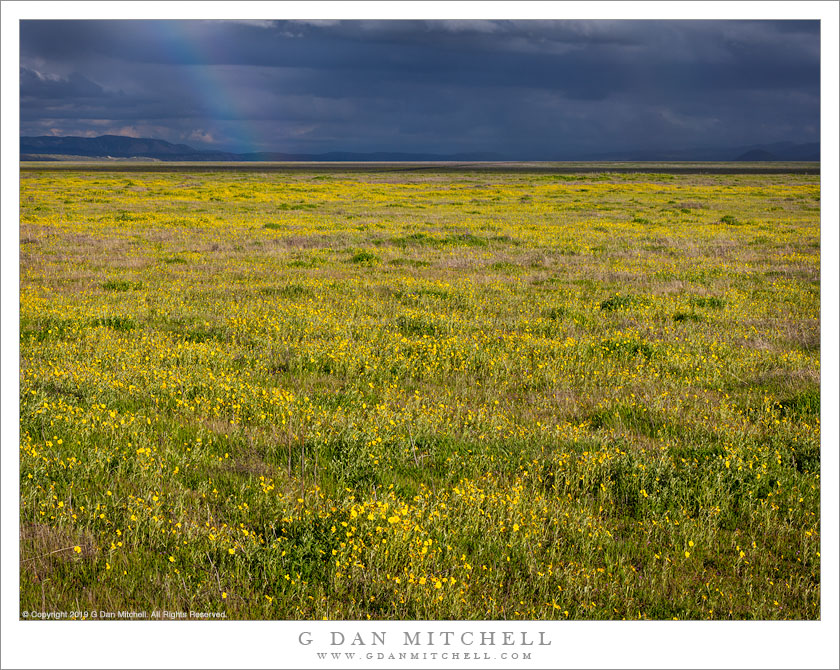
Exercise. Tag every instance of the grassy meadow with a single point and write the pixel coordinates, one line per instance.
(420, 394)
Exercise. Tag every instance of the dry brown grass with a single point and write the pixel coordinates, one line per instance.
(42, 547)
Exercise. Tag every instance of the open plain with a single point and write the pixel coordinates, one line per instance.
(420, 394)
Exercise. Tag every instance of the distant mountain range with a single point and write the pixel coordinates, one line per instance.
(115, 146)
(779, 151)
(118, 147)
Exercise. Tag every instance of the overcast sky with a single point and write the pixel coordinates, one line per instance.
(526, 89)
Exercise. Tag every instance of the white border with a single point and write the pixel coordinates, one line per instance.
(412, 9)
(273, 644)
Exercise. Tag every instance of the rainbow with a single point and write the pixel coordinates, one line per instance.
(206, 81)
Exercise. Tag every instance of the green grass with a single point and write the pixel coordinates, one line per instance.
(458, 395)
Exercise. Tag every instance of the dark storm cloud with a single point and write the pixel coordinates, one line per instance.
(35, 85)
(510, 86)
